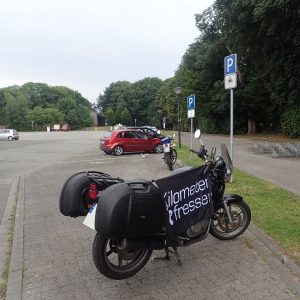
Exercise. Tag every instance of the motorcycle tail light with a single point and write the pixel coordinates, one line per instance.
(93, 192)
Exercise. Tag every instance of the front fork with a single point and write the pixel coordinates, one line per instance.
(230, 198)
(225, 203)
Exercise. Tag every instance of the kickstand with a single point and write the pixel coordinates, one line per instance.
(167, 256)
(175, 252)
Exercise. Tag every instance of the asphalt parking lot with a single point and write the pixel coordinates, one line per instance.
(55, 260)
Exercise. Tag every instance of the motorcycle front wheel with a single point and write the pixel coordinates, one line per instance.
(241, 216)
(116, 264)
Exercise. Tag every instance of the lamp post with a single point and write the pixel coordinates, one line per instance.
(178, 92)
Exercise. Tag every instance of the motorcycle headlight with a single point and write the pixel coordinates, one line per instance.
(220, 163)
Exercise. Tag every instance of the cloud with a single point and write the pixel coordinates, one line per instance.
(86, 45)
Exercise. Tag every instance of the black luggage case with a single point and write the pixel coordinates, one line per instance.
(74, 200)
(130, 210)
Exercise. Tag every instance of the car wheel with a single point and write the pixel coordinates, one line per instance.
(158, 148)
(10, 138)
(118, 150)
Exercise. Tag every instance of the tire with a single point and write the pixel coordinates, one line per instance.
(10, 138)
(241, 216)
(168, 161)
(106, 249)
(173, 156)
(118, 150)
(158, 148)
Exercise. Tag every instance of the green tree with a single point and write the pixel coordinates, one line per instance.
(110, 116)
(125, 117)
(166, 101)
(53, 116)
(142, 95)
(16, 111)
(118, 114)
(36, 115)
(65, 104)
(266, 37)
(114, 95)
(73, 118)
(84, 116)
(137, 97)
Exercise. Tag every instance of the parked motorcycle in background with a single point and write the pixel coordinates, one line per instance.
(170, 154)
(133, 218)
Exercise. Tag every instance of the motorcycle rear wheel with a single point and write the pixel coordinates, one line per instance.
(115, 264)
(173, 156)
(241, 216)
(168, 161)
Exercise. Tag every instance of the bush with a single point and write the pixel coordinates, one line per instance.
(291, 121)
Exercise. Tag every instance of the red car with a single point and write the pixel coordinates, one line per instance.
(126, 140)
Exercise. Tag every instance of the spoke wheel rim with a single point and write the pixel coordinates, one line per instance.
(239, 218)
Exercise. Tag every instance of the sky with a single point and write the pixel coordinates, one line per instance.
(86, 45)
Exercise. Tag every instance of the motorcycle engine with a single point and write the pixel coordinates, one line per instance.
(197, 229)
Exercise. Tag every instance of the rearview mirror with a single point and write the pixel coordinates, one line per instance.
(197, 134)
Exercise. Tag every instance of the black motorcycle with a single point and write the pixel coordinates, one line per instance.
(132, 217)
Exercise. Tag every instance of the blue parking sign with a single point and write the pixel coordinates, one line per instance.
(230, 64)
(191, 102)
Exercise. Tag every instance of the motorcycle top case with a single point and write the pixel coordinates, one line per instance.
(130, 210)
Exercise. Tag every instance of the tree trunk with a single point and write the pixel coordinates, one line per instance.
(251, 126)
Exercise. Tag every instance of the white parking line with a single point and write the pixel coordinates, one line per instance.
(83, 160)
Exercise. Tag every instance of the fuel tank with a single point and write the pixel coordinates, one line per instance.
(130, 210)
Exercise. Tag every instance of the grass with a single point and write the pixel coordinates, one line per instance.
(274, 210)
(5, 271)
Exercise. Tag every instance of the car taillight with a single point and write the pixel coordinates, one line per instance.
(93, 192)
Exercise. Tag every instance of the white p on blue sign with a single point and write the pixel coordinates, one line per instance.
(230, 64)
(191, 102)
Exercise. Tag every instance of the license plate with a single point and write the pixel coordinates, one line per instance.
(166, 147)
(89, 220)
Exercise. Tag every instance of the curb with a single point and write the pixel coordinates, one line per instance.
(15, 277)
(6, 222)
(276, 258)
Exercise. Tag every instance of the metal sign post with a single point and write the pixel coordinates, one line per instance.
(230, 82)
(191, 114)
(231, 124)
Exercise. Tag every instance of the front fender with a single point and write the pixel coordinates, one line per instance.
(232, 198)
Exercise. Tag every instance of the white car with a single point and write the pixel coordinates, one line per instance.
(9, 134)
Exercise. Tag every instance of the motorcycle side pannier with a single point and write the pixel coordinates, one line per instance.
(129, 210)
(75, 199)
(71, 201)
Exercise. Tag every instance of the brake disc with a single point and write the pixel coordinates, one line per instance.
(224, 224)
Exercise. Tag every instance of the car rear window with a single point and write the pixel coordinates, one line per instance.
(107, 134)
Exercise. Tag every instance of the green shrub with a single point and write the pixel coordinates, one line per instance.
(291, 121)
